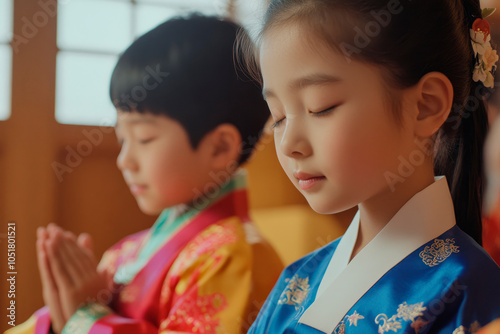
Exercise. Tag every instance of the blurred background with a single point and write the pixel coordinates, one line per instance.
(57, 144)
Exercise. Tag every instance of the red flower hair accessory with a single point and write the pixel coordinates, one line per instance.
(486, 57)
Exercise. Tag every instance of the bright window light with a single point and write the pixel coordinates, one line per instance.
(82, 89)
(6, 14)
(94, 25)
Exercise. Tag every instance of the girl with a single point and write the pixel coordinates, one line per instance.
(371, 99)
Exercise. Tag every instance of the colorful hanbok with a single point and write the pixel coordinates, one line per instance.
(420, 274)
(194, 271)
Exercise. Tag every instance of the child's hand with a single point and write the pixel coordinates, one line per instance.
(74, 269)
(49, 287)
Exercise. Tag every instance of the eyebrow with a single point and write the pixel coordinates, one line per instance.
(315, 79)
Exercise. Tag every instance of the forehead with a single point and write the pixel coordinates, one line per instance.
(134, 117)
(291, 53)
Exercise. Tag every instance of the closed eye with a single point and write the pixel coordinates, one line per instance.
(323, 112)
(146, 141)
(277, 123)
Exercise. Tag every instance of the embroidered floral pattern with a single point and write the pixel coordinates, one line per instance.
(208, 241)
(352, 319)
(196, 314)
(405, 313)
(439, 251)
(295, 292)
(460, 330)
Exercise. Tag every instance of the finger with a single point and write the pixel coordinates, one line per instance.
(77, 260)
(41, 233)
(43, 266)
(85, 241)
(74, 264)
(57, 264)
(69, 235)
(51, 228)
(50, 293)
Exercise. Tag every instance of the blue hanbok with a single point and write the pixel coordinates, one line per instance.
(420, 274)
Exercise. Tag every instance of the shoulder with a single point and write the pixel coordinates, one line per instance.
(473, 263)
(309, 269)
(471, 259)
(125, 248)
(318, 258)
(129, 241)
(225, 234)
(223, 241)
(462, 268)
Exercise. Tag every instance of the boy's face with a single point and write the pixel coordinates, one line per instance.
(157, 161)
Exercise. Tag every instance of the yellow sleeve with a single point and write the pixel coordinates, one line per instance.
(208, 287)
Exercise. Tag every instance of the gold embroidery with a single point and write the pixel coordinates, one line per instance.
(405, 313)
(353, 319)
(197, 314)
(439, 251)
(460, 330)
(295, 292)
(474, 328)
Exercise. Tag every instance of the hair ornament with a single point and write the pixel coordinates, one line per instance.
(485, 57)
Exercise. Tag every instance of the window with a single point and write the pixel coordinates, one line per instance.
(91, 34)
(6, 14)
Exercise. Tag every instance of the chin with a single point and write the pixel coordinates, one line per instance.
(149, 210)
(327, 207)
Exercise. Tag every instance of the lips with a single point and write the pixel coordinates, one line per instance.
(308, 181)
(137, 189)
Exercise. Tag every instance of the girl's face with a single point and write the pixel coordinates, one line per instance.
(335, 135)
(157, 161)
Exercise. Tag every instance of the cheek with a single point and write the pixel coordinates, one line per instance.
(358, 148)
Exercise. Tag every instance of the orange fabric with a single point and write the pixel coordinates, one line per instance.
(492, 328)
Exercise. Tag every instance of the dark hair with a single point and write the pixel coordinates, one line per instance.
(409, 39)
(184, 69)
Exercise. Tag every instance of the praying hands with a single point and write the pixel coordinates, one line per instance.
(68, 271)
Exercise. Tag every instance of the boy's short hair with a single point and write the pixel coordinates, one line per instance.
(185, 69)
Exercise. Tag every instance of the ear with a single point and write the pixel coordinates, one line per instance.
(434, 101)
(225, 146)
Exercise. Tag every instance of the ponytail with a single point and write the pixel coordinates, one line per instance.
(460, 141)
(459, 156)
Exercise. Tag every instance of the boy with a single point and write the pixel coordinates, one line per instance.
(187, 119)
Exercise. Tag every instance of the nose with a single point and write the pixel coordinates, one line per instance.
(126, 159)
(294, 142)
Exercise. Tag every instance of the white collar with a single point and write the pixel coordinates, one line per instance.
(427, 215)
